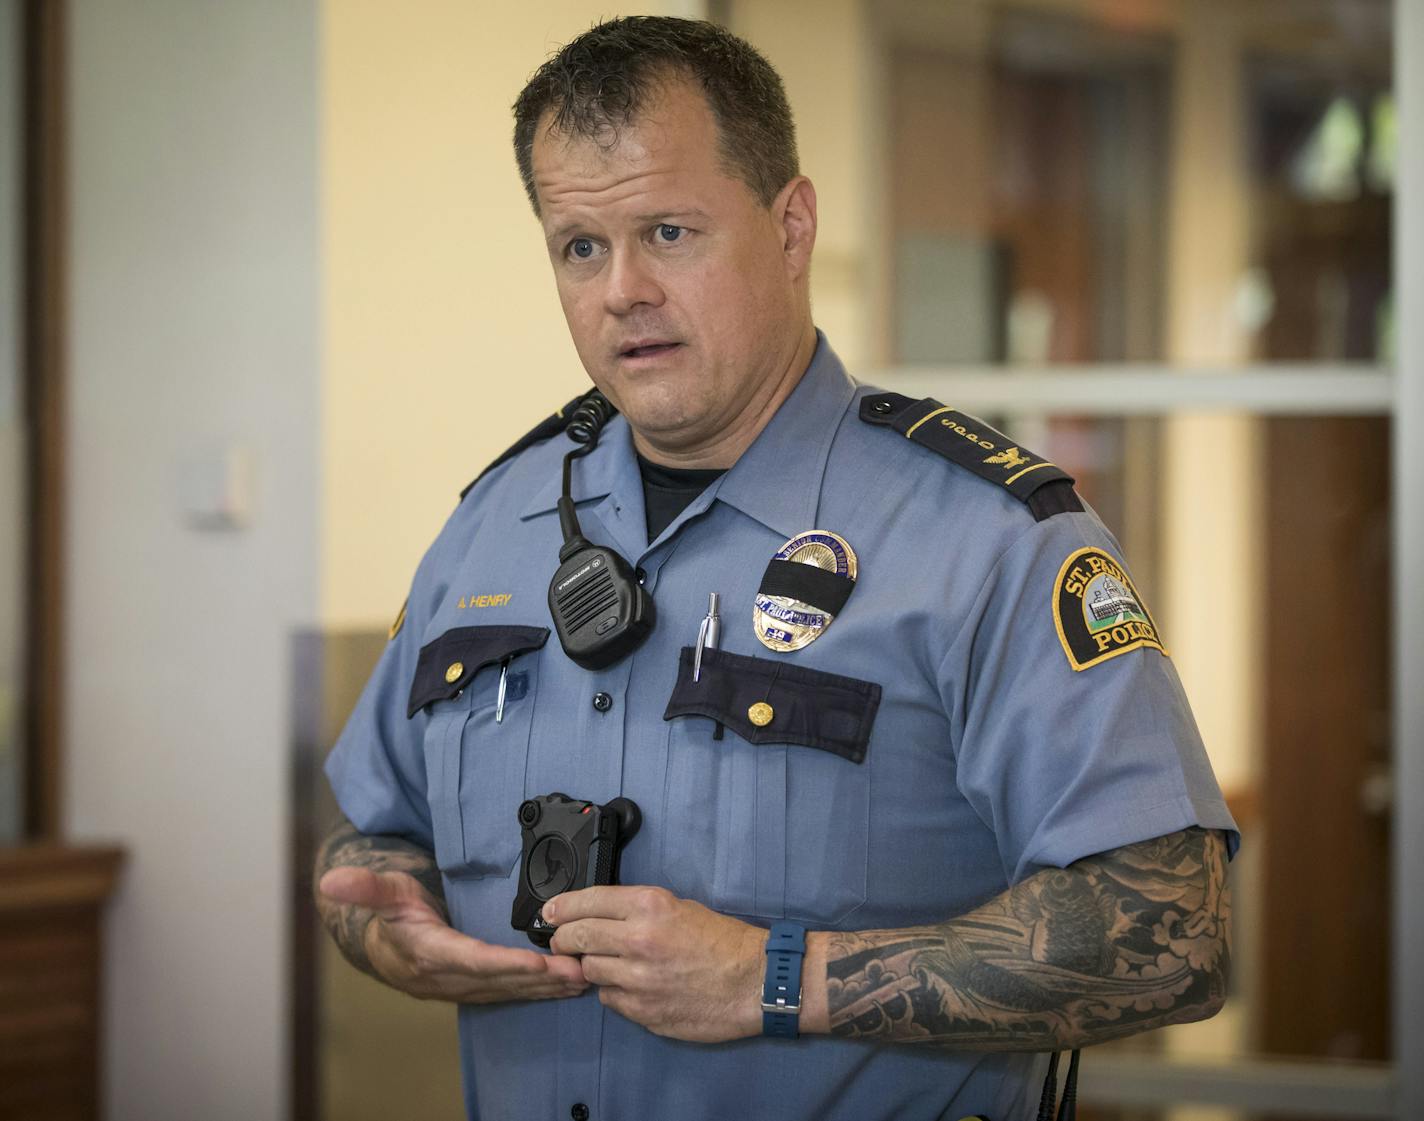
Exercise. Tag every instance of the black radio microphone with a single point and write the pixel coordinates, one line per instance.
(600, 610)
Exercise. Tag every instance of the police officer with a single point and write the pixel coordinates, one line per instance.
(937, 782)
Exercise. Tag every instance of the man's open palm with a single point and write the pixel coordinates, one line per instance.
(413, 948)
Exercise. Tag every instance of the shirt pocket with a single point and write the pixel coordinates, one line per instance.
(772, 820)
(476, 745)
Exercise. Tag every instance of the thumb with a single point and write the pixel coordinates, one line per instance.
(380, 891)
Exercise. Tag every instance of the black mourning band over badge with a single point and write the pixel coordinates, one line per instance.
(804, 587)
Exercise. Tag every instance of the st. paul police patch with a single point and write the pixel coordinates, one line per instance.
(1098, 612)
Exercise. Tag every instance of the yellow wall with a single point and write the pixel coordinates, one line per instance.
(443, 338)
(442, 334)
(821, 50)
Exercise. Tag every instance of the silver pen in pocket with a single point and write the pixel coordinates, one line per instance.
(709, 635)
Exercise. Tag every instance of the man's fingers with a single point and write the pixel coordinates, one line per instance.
(567, 969)
(453, 950)
(362, 887)
(619, 1000)
(439, 961)
(610, 902)
(607, 972)
(449, 949)
(590, 936)
(443, 949)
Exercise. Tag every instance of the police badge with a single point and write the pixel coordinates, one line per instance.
(804, 588)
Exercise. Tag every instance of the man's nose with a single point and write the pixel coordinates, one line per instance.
(631, 283)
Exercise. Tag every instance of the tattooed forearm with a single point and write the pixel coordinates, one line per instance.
(344, 846)
(1119, 943)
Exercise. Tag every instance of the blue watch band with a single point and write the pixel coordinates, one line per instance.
(781, 991)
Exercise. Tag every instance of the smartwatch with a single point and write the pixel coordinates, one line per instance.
(781, 991)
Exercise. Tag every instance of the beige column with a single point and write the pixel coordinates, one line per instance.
(823, 51)
(1211, 490)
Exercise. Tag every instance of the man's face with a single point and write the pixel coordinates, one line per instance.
(678, 290)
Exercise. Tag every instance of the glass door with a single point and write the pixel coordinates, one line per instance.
(1157, 244)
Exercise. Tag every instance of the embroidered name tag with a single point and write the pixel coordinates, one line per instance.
(485, 600)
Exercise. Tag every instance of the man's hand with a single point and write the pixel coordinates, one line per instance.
(381, 900)
(411, 948)
(669, 964)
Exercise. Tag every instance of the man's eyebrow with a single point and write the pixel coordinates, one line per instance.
(666, 215)
(562, 232)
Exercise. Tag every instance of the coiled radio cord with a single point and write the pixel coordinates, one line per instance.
(587, 421)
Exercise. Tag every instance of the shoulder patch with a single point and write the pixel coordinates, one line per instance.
(546, 429)
(966, 440)
(1097, 611)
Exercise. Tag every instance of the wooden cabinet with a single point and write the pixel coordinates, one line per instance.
(51, 951)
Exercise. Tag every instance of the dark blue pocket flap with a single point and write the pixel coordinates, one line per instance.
(772, 702)
(447, 663)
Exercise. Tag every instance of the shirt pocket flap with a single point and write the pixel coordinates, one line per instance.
(447, 663)
(773, 702)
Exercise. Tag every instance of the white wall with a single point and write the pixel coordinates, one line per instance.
(194, 304)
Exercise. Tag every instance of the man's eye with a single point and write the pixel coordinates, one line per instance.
(582, 248)
(668, 233)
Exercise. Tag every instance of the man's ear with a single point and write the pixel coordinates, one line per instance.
(795, 211)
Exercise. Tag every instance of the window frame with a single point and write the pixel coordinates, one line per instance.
(1408, 417)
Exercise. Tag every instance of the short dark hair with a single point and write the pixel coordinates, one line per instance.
(600, 82)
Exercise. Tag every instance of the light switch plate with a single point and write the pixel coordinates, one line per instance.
(216, 487)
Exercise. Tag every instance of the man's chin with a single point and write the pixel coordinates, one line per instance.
(667, 425)
(661, 428)
(655, 406)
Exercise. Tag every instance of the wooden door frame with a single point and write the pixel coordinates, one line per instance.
(43, 282)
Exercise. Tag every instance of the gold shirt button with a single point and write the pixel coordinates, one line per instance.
(760, 714)
(452, 674)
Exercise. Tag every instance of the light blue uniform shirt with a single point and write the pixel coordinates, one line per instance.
(990, 756)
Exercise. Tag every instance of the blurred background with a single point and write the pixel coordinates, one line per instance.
(271, 294)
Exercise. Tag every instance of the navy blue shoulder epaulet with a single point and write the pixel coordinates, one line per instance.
(1044, 487)
(546, 429)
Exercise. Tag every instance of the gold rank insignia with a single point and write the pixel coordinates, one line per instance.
(399, 621)
(792, 609)
(1098, 612)
(1008, 459)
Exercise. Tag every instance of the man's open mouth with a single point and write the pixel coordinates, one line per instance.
(648, 350)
